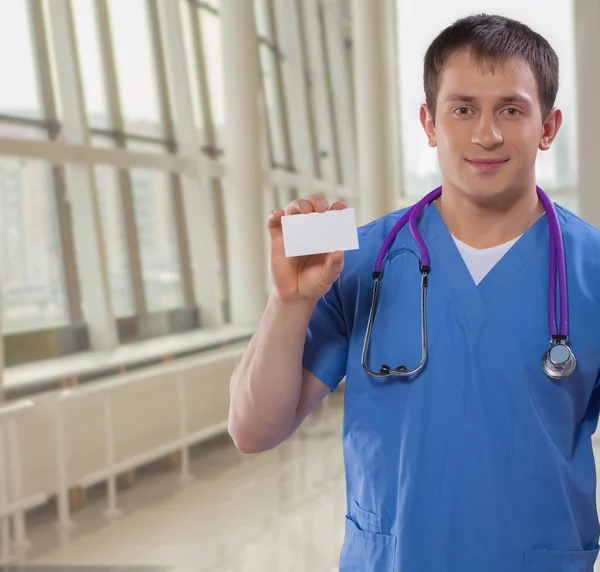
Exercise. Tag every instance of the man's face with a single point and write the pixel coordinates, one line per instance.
(488, 126)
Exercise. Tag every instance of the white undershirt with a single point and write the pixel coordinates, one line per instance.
(480, 261)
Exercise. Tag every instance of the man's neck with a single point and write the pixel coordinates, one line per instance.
(484, 225)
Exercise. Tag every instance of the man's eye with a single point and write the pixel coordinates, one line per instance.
(463, 111)
(512, 111)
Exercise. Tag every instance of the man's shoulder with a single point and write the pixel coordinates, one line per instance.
(582, 249)
(580, 232)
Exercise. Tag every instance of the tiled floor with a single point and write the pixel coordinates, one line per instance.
(279, 511)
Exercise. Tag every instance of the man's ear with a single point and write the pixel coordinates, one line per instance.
(550, 128)
(428, 124)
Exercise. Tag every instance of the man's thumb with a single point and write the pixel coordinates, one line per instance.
(333, 267)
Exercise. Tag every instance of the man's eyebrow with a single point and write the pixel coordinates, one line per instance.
(464, 98)
(516, 98)
(461, 97)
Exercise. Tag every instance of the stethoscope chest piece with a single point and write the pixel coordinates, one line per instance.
(559, 362)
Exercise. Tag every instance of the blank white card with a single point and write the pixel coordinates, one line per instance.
(317, 233)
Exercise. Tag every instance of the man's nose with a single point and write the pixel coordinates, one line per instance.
(487, 133)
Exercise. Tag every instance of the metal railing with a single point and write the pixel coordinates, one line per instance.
(12, 504)
(105, 392)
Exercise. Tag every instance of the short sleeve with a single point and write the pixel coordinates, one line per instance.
(326, 345)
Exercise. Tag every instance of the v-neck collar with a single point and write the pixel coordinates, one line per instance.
(476, 300)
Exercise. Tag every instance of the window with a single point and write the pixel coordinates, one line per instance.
(213, 54)
(135, 62)
(555, 168)
(202, 38)
(33, 276)
(90, 61)
(157, 239)
(271, 61)
(19, 96)
(261, 11)
(268, 61)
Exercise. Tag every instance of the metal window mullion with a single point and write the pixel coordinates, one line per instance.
(205, 6)
(200, 61)
(349, 59)
(91, 258)
(372, 149)
(273, 115)
(195, 201)
(319, 88)
(159, 69)
(346, 15)
(267, 116)
(61, 202)
(124, 177)
(288, 30)
(59, 152)
(340, 91)
(174, 184)
(308, 82)
(42, 124)
(115, 134)
(333, 112)
(181, 233)
(392, 124)
(210, 139)
(280, 103)
(245, 179)
(586, 16)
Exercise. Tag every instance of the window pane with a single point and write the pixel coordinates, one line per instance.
(19, 94)
(211, 34)
(262, 18)
(135, 64)
(268, 65)
(22, 131)
(90, 62)
(33, 280)
(555, 168)
(115, 239)
(155, 226)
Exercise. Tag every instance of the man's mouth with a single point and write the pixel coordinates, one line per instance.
(485, 164)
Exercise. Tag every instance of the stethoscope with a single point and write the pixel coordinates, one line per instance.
(558, 361)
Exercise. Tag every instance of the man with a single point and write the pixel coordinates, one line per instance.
(479, 462)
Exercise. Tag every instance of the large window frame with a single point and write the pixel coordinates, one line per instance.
(68, 141)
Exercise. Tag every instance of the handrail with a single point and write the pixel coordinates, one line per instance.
(107, 384)
(170, 373)
(14, 408)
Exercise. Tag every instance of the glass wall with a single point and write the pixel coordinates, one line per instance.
(109, 60)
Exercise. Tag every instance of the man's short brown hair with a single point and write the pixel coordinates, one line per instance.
(492, 40)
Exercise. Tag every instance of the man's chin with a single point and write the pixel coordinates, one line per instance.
(491, 193)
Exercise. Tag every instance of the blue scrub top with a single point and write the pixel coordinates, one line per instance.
(479, 463)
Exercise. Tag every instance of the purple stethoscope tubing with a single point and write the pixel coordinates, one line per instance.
(557, 256)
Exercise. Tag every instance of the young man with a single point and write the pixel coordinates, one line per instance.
(480, 461)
